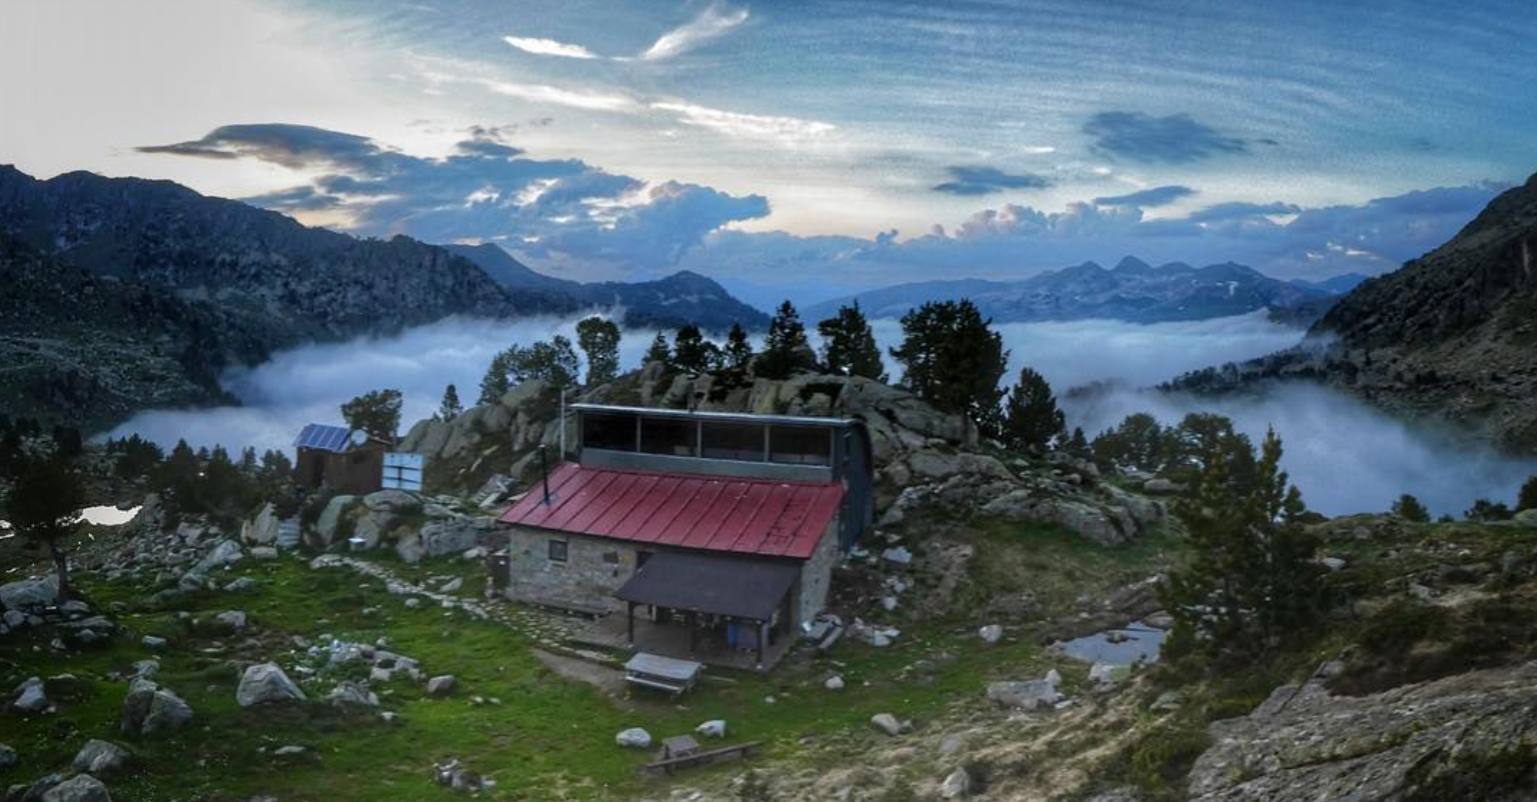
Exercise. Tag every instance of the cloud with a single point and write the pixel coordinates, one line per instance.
(753, 126)
(713, 22)
(573, 98)
(1147, 198)
(972, 180)
(549, 47)
(1238, 210)
(487, 190)
(1015, 241)
(1175, 139)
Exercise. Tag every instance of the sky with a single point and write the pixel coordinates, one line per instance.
(804, 148)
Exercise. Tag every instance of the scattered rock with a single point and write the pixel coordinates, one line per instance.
(1102, 675)
(452, 585)
(834, 683)
(1333, 563)
(150, 710)
(79, 788)
(1167, 702)
(351, 693)
(887, 723)
(30, 696)
(992, 633)
(153, 642)
(633, 738)
(441, 685)
(289, 751)
(957, 785)
(264, 553)
(8, 757)
(714, 728)
(1161, 487)
(266, 683)
(239, 585)
(227, 552)
(235, 620)
(1031, 694)
(101, 758)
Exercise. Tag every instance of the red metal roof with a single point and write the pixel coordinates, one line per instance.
(711, 513)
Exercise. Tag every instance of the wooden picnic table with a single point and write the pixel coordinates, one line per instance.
(662, 673)
(670, 765)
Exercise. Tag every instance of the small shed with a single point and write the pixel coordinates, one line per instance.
(341, 459)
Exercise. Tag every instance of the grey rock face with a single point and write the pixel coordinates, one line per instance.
(262, 529)
(266, 683)
(150, 710)
(1305, 744)
(441, 685)
(227, 552)
(330, 519)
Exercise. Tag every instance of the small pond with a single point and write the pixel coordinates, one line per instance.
(108, 515)
(1118, 647)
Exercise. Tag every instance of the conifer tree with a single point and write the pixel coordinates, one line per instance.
(1031, 419)
(43, 506)
(785, 346)
(1409, 508)
(376, 412)
(1527, 499)
(953, 359)
(691, 352)
(738, 353)
(849, 345)
(494, 384)
(599, 339)
(660, 351)
(450, 408)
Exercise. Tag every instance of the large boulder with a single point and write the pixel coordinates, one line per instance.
(79, 788)
(265, 683)
(352, 693)
(101, 758)
(329, 523)
(391, 500)
(29, 593)
(262, 529)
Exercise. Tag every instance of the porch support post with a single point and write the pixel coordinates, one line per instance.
(693, 630)
(629, 615)
(762, 639)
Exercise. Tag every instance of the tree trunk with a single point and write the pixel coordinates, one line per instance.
(61, 567)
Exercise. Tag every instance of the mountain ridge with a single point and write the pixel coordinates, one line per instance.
(1132, 291)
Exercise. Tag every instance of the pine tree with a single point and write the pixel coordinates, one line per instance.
(450, 408)
(553, 362)
(376, 412)
(1527, 499)
(691, 352)
(494, 384)
(1031, 419)
(1251, 580)
(1078, 445)
(659, 351)
(849, 345)
(43, 507)
(1409, 508)
(599, 339)
(785, 347)
(954, 360)
(738, 353)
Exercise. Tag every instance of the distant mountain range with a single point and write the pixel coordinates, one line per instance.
(683, 297)
(1451, 337)
(1132, 291)
(126, 293)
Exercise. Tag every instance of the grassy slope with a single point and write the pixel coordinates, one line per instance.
(549, 738)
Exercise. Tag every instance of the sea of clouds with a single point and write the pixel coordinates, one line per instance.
(1345, 456)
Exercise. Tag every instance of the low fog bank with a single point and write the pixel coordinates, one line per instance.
(310, 383)
(1343, 455)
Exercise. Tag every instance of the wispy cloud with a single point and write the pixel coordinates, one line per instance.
(1147, 198)
(711, 23)
(1175, 139)
(549, 47)
(754, 126)
(574, 98)
(974, 180)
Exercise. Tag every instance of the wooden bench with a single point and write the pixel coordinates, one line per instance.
(660, 767)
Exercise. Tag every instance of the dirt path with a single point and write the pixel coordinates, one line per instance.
(608, 680)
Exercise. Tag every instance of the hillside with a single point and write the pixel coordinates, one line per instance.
(1451, 337)
(681, 298)
(1132, 291)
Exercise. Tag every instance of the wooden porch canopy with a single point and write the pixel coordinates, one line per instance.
(741, 588)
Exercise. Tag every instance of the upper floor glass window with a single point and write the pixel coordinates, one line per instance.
(801, 445)
(738, 441)
(613, 432)
(668, 436)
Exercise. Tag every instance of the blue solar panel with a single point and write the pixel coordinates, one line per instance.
(323, 437)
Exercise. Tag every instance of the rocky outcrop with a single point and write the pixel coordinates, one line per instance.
(261, 530)
(29, 593)
(1303, 744)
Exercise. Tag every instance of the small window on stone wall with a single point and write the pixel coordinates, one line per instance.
(558, 551)
(611, 557)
